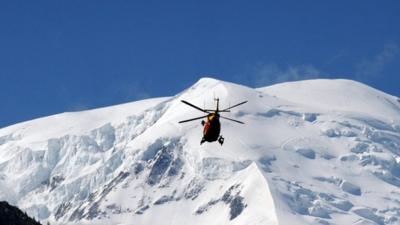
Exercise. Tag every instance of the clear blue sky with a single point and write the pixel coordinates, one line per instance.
(69, 55)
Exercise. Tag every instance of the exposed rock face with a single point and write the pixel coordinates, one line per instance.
(11, 215)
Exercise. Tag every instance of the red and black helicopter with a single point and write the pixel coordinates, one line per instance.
(212, 127)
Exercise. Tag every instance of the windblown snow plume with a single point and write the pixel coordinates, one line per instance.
(311, 152)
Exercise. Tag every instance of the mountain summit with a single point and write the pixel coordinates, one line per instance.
(311, 152)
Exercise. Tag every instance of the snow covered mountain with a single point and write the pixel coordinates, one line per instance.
(311, 152)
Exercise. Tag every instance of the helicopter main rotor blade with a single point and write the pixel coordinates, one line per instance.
(197, 118)
(214, 110)
(190, 104)
(237, 121)
(234, 106)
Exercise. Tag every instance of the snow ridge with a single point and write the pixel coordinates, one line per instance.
(311, 152)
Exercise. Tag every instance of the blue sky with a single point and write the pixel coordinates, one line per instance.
(70, 55)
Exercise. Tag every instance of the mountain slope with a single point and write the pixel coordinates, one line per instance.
(311, 152)
(338, 95)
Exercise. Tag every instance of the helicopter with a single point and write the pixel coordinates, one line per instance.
(212, 127)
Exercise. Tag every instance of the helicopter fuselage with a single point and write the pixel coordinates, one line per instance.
(212, 128)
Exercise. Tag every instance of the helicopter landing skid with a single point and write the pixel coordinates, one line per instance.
(202, 140)
(221, 140)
